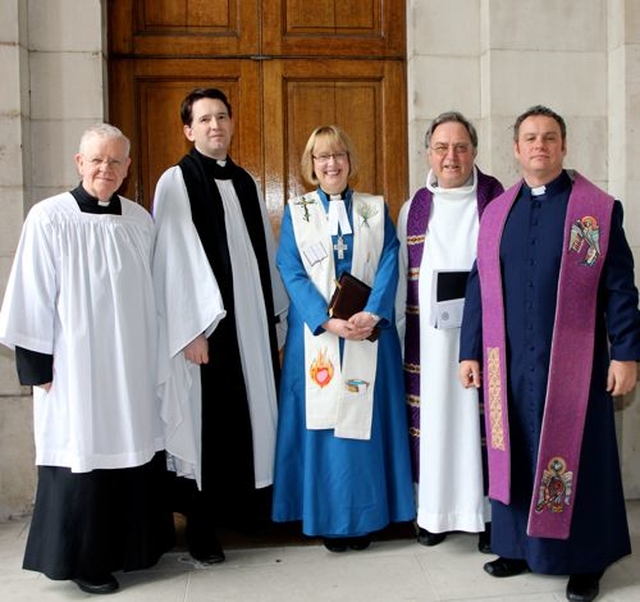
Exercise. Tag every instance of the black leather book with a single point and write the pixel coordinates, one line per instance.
(350, 297)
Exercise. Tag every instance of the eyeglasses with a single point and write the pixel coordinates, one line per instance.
(324, 157)
(97, 162)
(460, 148)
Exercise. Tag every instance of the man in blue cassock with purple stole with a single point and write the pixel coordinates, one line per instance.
(552, 316)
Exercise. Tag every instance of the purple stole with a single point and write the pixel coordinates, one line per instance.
(586, 238)
(417, 222)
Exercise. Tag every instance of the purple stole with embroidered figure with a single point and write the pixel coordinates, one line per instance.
(417, 222)
(586, 239)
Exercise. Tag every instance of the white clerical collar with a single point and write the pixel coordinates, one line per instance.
(338, 219)
(221, 162)
(104, 203)
(538, 190)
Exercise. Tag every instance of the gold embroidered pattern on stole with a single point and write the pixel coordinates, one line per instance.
(413, 400)
(494, 382)
(413, 273)
(412, 368)
(415, 240)
(412, 310)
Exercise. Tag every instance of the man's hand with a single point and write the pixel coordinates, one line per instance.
(198, 350)
(622, 377)
(469, 374)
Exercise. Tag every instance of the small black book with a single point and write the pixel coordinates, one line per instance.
(451, 285)
(350, 297)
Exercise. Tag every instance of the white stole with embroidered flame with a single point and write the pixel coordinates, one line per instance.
(339, 396)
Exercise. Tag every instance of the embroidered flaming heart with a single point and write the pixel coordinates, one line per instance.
(321, 369)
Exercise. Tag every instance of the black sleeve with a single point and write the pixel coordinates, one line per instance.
(34, 368)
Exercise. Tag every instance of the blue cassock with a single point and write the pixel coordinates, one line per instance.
(341, 487)
(530, 254)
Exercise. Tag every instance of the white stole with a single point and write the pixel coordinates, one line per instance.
(339, 395)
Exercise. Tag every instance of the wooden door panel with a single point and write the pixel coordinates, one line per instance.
(358, 96)
(152, 116)
(183, 27)
(365, 28)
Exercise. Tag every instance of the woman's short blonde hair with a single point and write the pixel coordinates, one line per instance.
(338, 141)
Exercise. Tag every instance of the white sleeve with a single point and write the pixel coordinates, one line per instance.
(27, 318)
(187, 294)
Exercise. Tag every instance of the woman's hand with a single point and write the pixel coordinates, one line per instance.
(347, 329)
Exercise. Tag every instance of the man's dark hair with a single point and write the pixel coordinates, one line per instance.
(447, 117)
(186, 108)
(545, 112)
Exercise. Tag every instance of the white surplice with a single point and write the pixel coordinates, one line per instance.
(80, 289)
(189, 303)
(450, 490)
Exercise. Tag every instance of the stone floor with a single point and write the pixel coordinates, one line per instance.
(394, 568)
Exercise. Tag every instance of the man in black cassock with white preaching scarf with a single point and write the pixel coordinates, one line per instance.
(79, 311)
(219, 297)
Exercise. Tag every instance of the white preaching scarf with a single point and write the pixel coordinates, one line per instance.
(342, 401)
(253, 333)
(80, 289)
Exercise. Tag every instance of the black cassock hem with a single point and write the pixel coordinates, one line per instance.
(101, 521)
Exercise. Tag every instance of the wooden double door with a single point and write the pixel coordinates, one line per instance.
(287, 66)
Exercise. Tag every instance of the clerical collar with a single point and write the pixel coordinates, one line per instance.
(556, 186)
(345, 195)
(221, 169)
(91, 204)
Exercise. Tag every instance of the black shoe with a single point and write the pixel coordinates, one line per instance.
(584, 587)
(202, 542)
(359, 543)
(209, 552)
(506, 567)
(484, 540)
(97, 585)
(203, 545)
(335, 544)
(426, 538)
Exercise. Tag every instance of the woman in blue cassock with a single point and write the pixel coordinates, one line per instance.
(342, 454)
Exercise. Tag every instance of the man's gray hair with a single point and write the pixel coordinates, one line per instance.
(447, 117)
(102, 130)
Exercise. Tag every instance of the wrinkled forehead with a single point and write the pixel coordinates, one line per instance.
(450, 131)
(96, 145)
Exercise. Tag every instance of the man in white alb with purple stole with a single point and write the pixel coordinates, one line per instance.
(552, 313)
(438, 230)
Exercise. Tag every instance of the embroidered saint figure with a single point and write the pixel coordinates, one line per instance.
(586, 231)
(555, 487)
